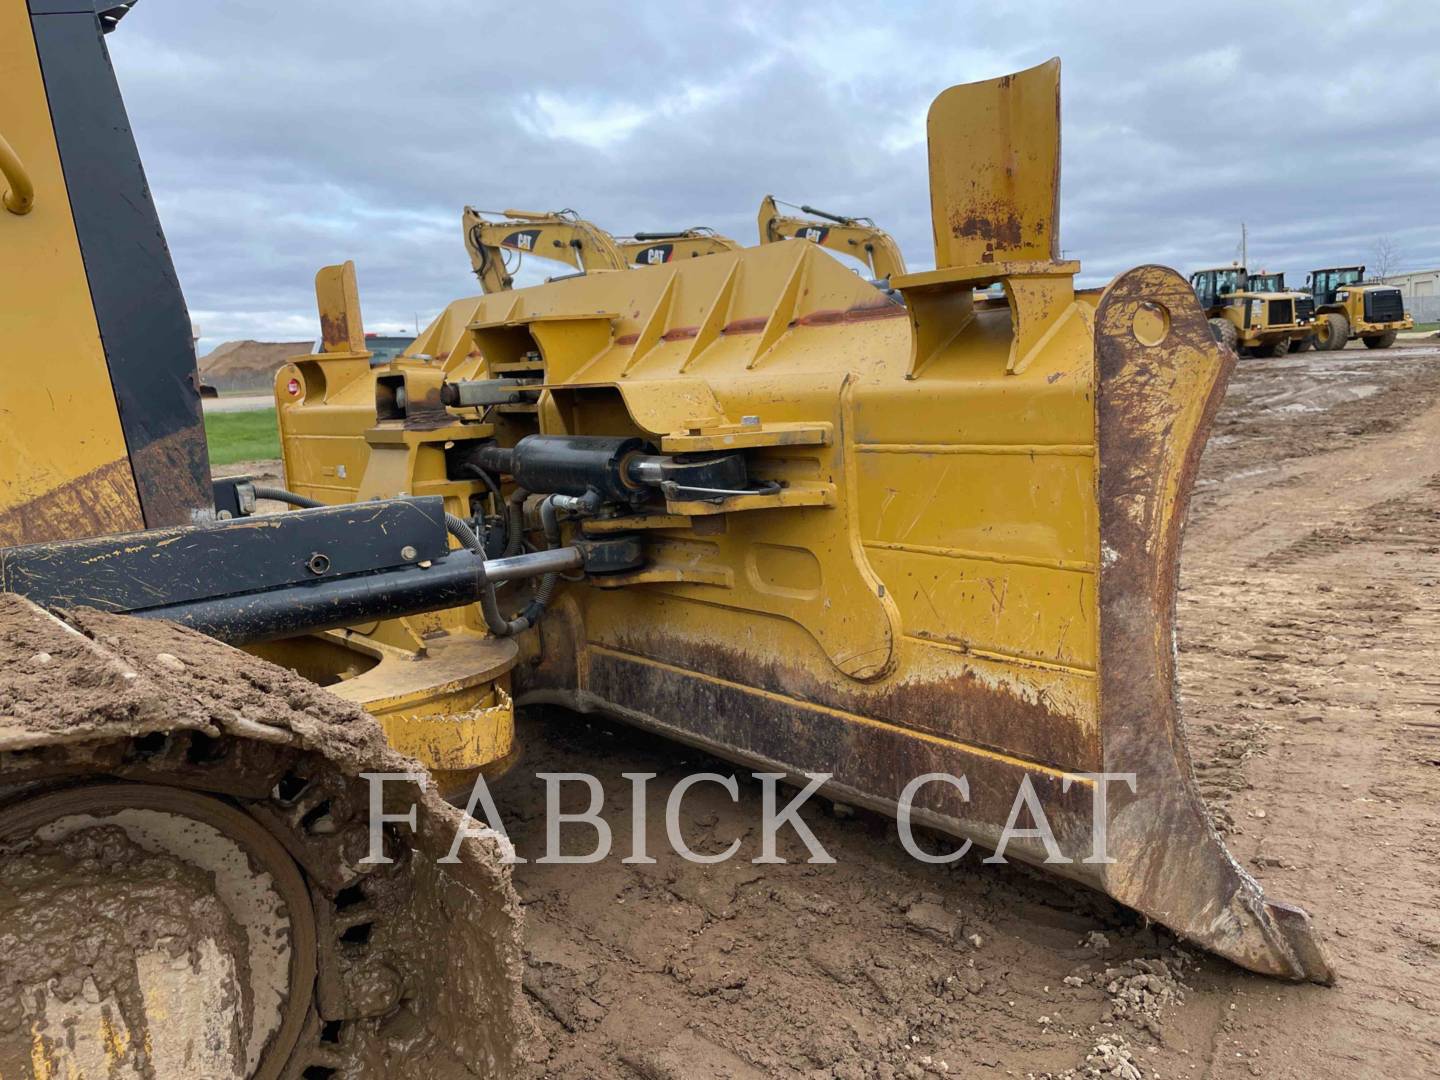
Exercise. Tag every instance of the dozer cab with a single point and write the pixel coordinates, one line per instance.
(859, 238)
(748, 501)
(655, 248)
(559, 235)
(1248, 319)
(1349, 307)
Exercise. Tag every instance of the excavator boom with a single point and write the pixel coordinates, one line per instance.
(560, 236)
(656, 248)
(858, 238)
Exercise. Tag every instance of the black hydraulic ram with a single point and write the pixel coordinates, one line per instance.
(613, 469)
(260, 578)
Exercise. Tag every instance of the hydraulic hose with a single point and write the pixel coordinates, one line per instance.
(495, 619)
(489, 482)
(459, 528)
(489, 603)
(275, 494)
(515, 521)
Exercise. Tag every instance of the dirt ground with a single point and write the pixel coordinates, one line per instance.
(1308, 639)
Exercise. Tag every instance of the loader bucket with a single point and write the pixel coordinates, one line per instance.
(960, 557)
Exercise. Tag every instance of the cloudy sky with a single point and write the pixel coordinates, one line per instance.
(285, 134)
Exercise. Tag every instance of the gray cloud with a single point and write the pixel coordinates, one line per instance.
(279, 137)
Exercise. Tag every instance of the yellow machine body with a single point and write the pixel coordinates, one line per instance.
(655, 249)
(232, 792)
(1270, 322)
(961, 557)
(437, 683)
(1349, 307)
(52, 483)
(859, 238)
(559, 236)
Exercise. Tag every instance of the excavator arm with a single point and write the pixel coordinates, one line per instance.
(859, 238)
(561, 236)
(655, 248)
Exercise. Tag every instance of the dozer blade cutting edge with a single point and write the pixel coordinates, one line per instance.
(961, 553)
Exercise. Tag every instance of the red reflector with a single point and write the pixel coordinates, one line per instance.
(294, 387)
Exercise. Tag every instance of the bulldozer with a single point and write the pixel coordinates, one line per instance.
(867, 538)
(559, 235)
(1349, 307)
(1248, 317)
(859, 238)
(748, 501)
(655, 248)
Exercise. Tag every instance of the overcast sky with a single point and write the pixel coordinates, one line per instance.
(282, 135)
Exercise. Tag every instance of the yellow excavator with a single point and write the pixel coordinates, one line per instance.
(655, 248)
(859, 238)
(558, 235)
(700, 497)
(563, 236)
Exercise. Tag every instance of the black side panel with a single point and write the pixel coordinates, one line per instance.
(144, 325)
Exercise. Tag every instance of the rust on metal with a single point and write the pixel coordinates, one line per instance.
(870, 762)
(995, 225)
(959, 705)
(1154, 409)
(752, 325)
(884, 308)
(334, 331)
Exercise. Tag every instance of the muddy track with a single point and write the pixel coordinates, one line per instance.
(1308, 634)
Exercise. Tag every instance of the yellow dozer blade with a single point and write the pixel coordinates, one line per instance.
(958, 552)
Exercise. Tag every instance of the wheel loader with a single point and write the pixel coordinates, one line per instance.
(748, 501)
(1349, 307)
(1274, 283)
(1248, 317)
(859, 238)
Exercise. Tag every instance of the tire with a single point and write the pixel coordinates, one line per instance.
(1380, 341)
(1226, 334)
(1298, 345)
(1275, 349)
(1332, 332)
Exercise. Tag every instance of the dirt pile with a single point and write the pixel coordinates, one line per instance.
(248, 365)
